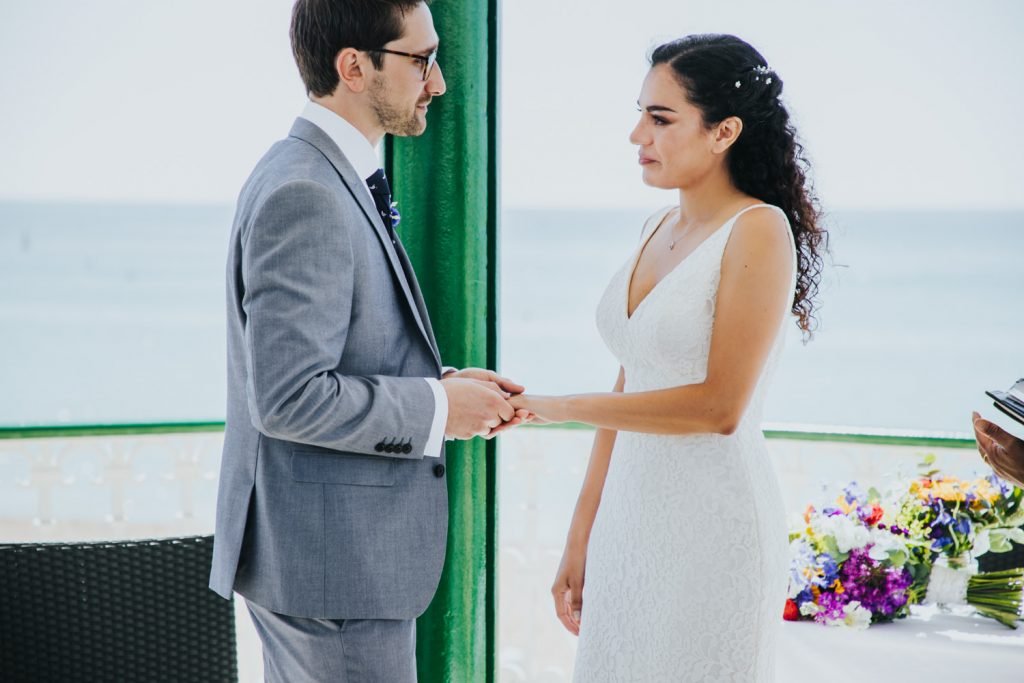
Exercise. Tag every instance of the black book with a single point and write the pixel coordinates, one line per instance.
(1011, 401)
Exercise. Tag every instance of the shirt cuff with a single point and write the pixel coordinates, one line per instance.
(446, 369)
(436, 438)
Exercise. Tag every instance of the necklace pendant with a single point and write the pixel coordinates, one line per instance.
(671, 245)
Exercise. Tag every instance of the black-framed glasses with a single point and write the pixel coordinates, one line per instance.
(426, 61)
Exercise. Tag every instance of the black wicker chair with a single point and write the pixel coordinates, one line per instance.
(120, 611)
(992, 562)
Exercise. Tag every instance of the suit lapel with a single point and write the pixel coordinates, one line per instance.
(402, 269)
(418, 298)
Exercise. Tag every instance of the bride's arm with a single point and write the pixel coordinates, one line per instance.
(593, 481)
(755, 281)
(568, 586)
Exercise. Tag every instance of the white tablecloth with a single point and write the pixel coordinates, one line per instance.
(928, 646)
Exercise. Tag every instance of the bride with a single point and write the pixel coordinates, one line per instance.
(675, 564)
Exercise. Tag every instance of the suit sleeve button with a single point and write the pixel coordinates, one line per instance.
(389, 449)
(379, 447)
(438, 470)
(407, 448)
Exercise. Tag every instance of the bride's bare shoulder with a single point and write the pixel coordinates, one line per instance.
(761, 229)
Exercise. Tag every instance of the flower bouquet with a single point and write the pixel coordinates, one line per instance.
(958, 520)
(861, 561)
(962, 517)
(848, 567)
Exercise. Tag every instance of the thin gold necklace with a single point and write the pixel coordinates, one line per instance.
(673, 239)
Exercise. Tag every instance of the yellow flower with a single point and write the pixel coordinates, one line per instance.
(847, 508)
(837, 587)
(944, 488)
(984, 489)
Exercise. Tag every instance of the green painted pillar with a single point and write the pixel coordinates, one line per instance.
(446, 186)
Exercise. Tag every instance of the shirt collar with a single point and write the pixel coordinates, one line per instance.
(353, 144)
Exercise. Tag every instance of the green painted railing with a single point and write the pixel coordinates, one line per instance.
(867, 437)
(131, 429)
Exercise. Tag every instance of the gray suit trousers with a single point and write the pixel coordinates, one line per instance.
(301, 650)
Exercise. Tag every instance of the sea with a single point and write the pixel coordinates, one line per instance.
(114, 314)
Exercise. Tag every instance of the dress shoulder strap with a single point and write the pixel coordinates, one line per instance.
(732, 221)
(758, 206)
(792, 240)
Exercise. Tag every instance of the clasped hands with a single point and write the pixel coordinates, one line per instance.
(483, 403)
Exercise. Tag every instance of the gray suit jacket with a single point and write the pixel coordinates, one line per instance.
(326, 506)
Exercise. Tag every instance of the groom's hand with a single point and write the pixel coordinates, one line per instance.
(475, 407)
(507, 385)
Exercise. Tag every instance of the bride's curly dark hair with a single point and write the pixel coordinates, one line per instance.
(724, 76)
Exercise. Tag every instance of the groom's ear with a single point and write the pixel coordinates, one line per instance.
(351, 65)
(726, 133)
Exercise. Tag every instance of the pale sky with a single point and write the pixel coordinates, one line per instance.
(900, 104)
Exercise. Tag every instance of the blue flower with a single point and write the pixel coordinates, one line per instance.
(829, 567)
(854, 494)
(963, 526)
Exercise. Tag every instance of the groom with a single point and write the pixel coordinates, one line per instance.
(332, 509)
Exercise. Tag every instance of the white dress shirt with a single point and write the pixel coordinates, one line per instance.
(363, 157)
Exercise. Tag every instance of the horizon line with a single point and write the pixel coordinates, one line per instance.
(166, 202)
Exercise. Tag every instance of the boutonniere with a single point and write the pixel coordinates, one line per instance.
(395, 216)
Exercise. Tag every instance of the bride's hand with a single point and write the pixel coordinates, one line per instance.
(542, 409)
(568, 588)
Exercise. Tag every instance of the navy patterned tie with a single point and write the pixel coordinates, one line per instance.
(381, 191)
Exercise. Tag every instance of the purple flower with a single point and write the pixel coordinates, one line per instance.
(831, 607)
(879, 589)
(1005, 488)
(853, 494)
(942, 516)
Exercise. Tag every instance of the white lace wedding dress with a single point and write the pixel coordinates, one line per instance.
(686, 567)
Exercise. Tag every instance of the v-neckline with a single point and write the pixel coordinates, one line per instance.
(643, 246)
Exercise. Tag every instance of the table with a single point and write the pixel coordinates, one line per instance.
(928, 646)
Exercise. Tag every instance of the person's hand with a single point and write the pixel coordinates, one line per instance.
(485, 375)
(540, 409)
(475, 407)
(1000, 450)
(568, 588)
(505, 384)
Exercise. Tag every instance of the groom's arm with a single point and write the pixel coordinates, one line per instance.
(297, 271)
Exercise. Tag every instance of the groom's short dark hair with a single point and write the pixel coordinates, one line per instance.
(322, 28)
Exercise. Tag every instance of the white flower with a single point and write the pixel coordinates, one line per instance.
(857, 617)
(883, 543)
(847, 533)
(809, 609)
(982, 542)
